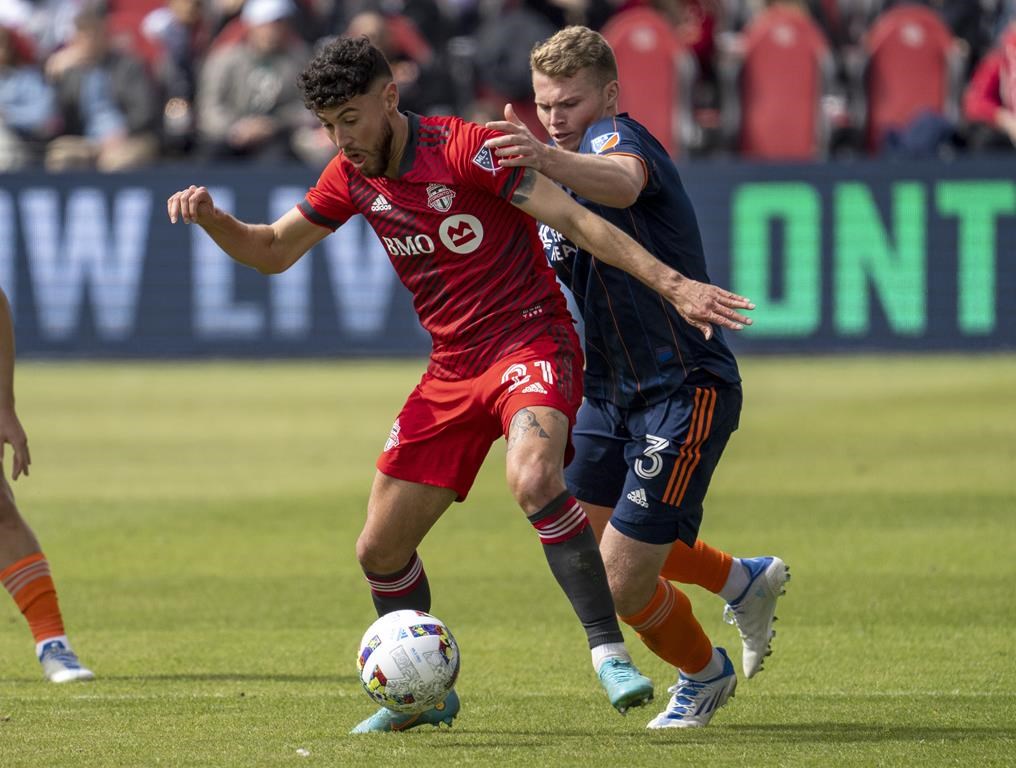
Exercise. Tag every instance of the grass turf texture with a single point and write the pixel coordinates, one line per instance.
(200, 520)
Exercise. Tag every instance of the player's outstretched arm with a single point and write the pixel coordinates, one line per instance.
(612, 180)
(268, 248)
(11, 431)
(701, 304)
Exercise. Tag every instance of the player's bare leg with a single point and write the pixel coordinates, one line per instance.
(399, 515)
(662, 617)
(751, 587)
(537, 437)
(24, 572)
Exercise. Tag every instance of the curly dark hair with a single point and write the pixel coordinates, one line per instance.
(343, 69)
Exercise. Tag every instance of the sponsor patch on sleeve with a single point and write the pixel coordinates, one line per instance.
(485, 160)
(606, 141)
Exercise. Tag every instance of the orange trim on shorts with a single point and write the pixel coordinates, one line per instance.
(691, 454)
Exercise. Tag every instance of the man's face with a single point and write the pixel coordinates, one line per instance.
(361, 130)
(567, 106)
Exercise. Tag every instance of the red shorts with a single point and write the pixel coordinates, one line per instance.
(446, 428)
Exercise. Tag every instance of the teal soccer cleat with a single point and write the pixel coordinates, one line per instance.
(385, 720)
(626, 687)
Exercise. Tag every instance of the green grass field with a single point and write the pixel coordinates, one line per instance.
(201, 519)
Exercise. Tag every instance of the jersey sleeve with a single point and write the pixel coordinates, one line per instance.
(473, 164)
(616, 136)
(328, 203)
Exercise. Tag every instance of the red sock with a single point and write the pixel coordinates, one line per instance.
(31, 585)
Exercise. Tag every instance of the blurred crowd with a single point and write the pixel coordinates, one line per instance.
(121, 84)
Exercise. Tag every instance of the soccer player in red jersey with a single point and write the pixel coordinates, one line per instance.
(505, 359)
(24, 570)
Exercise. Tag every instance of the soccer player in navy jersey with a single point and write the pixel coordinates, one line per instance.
(505, 359)
(662, 398)
(24, 569)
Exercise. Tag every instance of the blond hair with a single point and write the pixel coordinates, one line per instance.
(571, 50)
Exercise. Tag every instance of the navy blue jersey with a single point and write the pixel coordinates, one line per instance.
(639, 350)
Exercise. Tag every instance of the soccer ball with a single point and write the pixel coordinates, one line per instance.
(408, 661)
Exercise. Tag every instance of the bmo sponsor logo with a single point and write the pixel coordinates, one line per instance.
(461, 233)
(410, 245)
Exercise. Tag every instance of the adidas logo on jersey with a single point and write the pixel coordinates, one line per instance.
(380, 204)
(638, 496)
(535, 387)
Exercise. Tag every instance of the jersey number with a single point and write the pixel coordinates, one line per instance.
(650, 463)
(518, 374)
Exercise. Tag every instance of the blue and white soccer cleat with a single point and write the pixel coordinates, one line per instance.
(626, 687)
(60, 664)
(694, 703)
(754, 611)
(385, 720)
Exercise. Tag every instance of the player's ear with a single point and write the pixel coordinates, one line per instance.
(390, 96)
(611, 90)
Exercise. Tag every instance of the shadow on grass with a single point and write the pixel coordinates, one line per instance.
(235, 677)
(207, 677)
(860, 733)
(783, 733)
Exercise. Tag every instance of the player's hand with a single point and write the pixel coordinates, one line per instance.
(192, 205)
(12, 432)
(704, 305)
(518, 147)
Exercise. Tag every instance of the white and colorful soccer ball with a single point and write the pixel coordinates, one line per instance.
(408, 661)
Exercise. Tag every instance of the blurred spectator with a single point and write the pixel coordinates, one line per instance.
(971, 21)
(425, 87)
(248, 103)
(427, 17)
(48, 23)
(182, 37)
(27, 105)
(503, 43)
(106, 100)
(989, 102)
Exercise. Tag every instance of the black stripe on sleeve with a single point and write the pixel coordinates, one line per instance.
(316, 218)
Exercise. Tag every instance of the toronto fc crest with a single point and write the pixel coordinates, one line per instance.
(439, 197)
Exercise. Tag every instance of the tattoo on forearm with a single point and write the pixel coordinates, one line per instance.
(522, 424)
(525, 187)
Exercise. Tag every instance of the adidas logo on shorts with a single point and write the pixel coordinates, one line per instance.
(639, 497)
(380, 204)
(535, 387)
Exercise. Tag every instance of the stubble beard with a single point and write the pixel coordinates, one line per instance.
(377, 166)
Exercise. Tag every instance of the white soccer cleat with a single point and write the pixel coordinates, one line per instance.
(694, 703)
(60, 664)
(754, 612)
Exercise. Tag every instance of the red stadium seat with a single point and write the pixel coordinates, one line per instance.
(656, 75)
(783, 73)
(912, 65)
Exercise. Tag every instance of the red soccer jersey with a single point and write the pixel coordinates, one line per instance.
(473, 261)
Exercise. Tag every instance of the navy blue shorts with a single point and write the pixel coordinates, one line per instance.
(653, 465)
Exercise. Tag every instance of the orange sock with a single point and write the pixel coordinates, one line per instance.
(702, 565)
(31, 586)
(670, 630)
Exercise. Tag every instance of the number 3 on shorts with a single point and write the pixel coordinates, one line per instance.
(651, 457)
